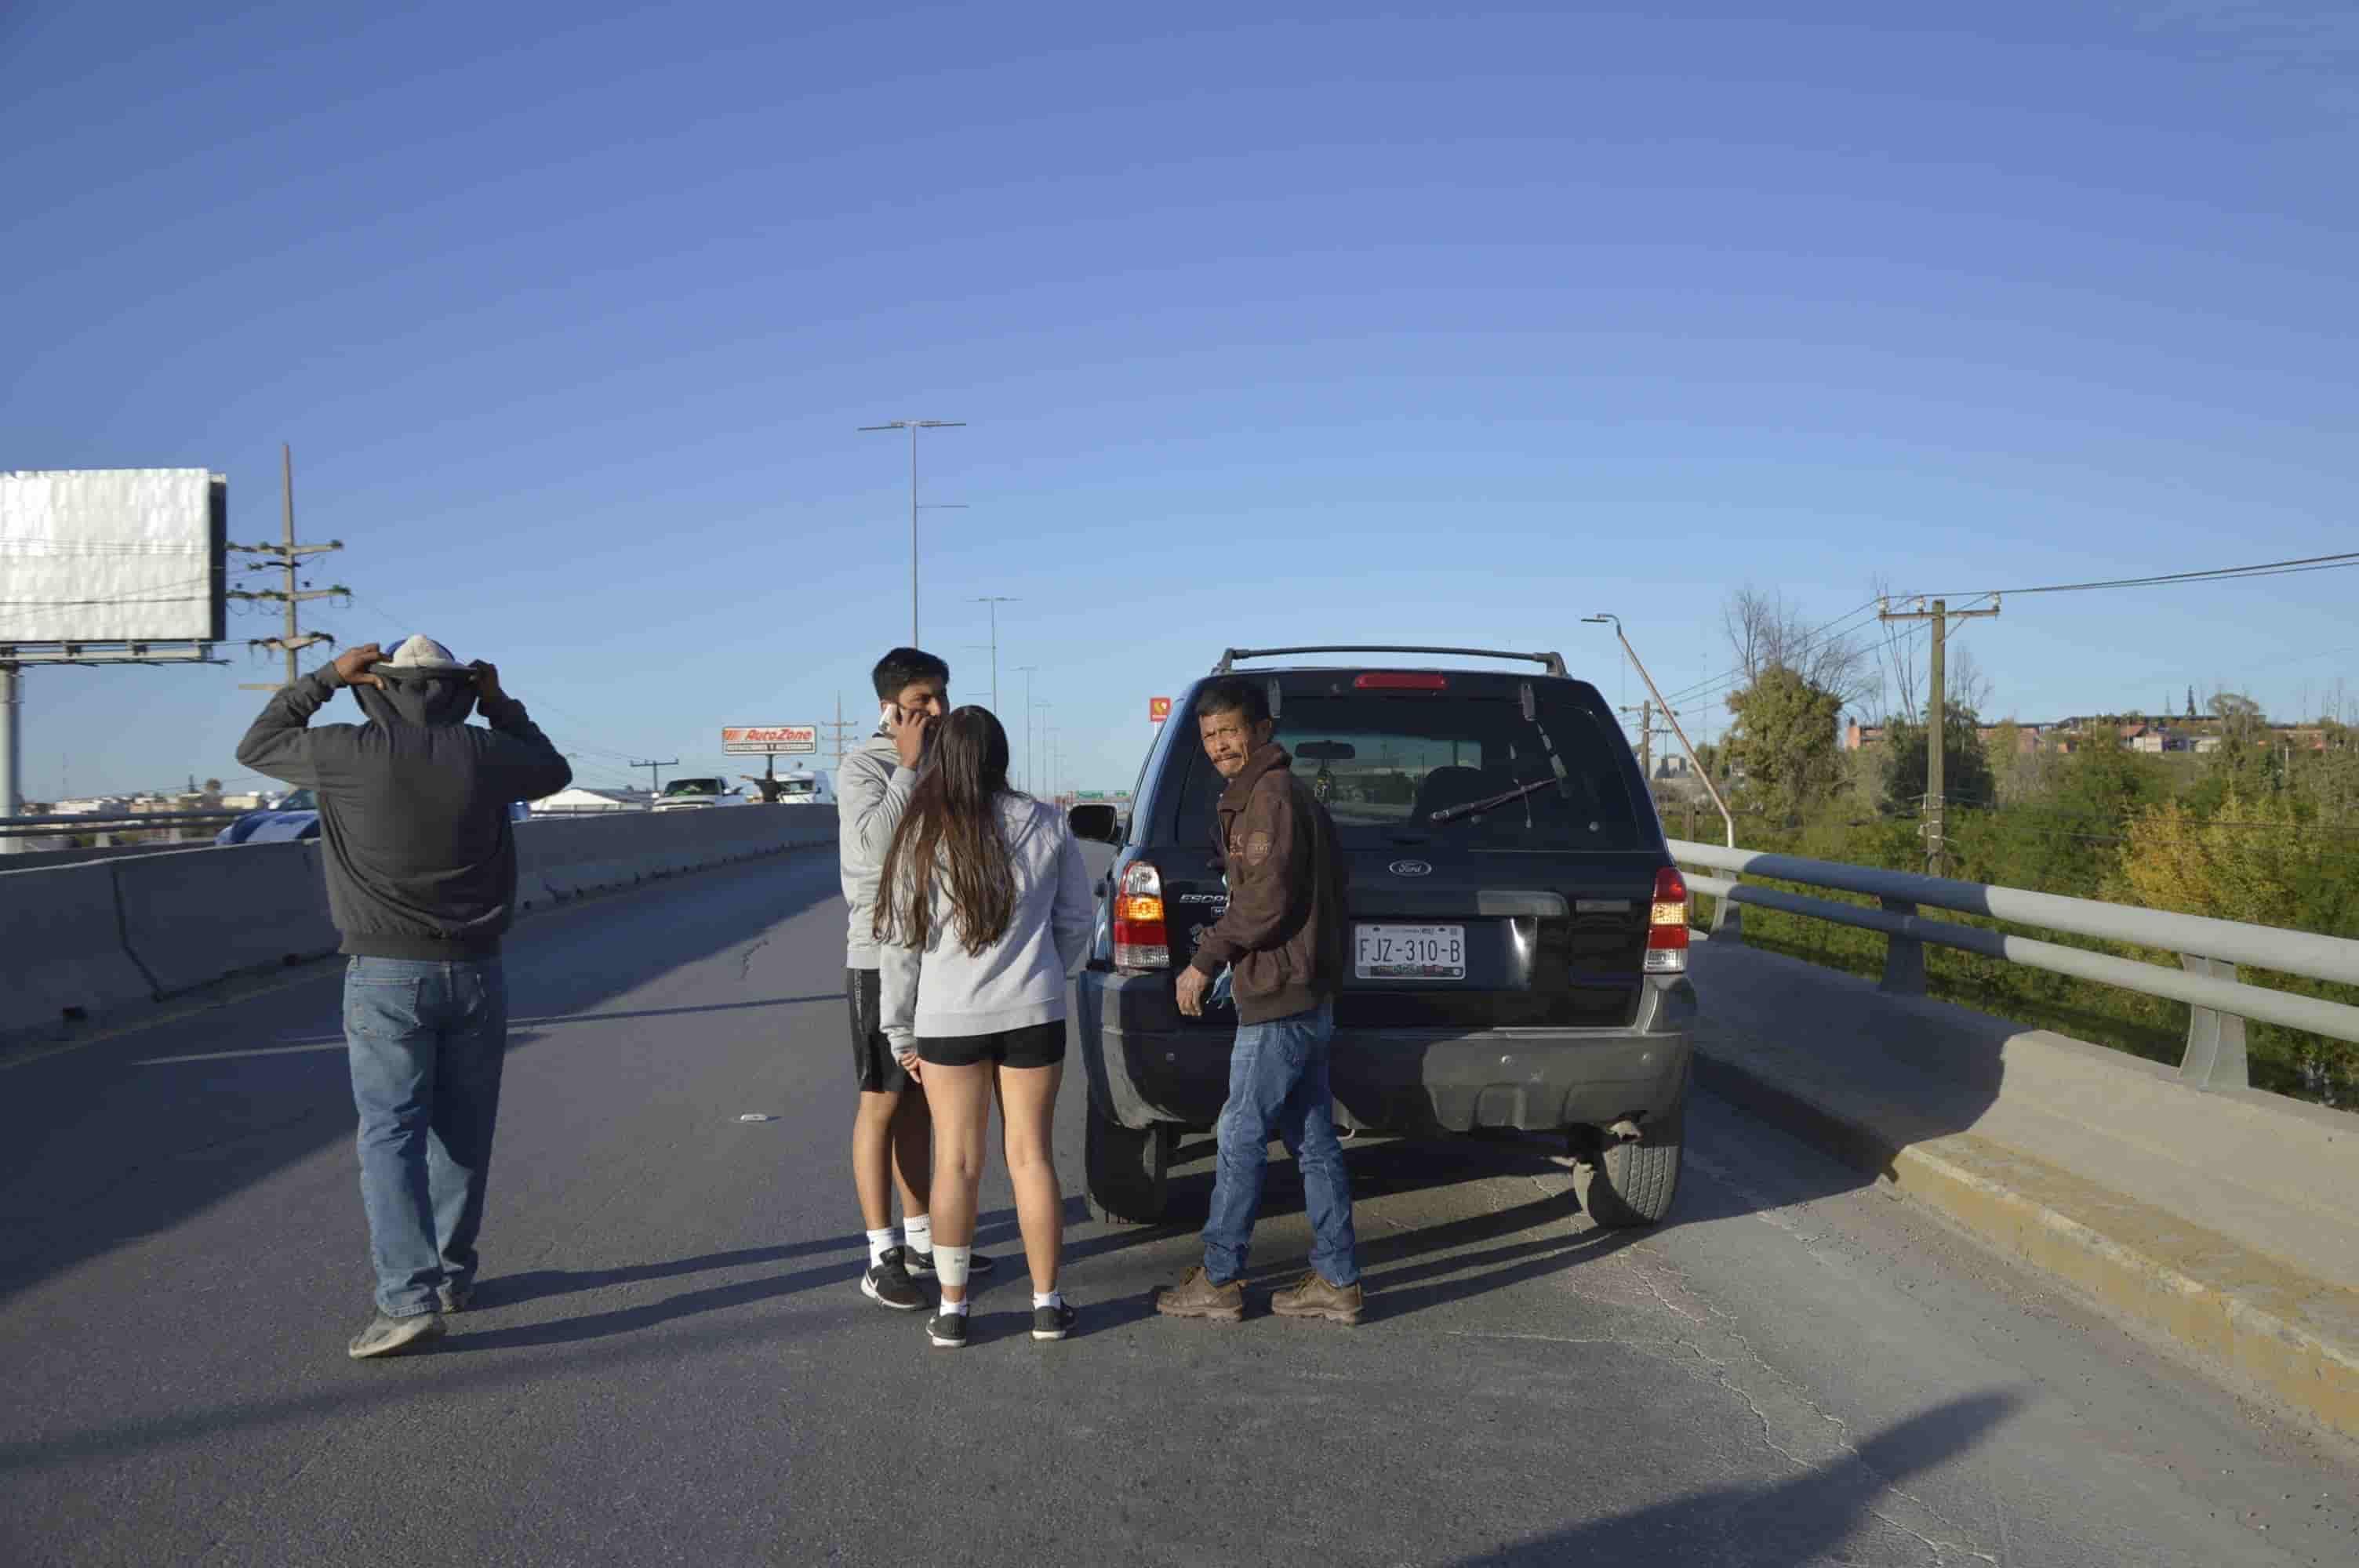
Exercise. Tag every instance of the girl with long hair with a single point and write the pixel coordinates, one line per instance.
(982, 911)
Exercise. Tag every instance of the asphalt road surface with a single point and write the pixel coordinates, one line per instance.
(672, 1362)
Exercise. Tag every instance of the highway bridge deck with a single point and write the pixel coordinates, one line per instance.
(672, 1362)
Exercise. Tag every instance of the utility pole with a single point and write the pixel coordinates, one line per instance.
(288, 556)
(996, 600)
(1937, 716)
(842, 727)
(1027, 672)
(655, 772)
(913, 426)
(1646, 712)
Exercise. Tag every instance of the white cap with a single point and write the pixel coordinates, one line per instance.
(420, 658)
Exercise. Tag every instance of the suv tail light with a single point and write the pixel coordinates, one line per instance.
(1402, 680)
(1141, 939)
(1667, 926)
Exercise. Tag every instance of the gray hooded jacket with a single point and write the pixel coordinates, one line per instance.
(418, 850)
(872, 791)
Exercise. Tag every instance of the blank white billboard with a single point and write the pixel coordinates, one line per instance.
(111, 555)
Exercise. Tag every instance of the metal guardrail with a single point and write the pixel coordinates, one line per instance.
(2210, 950)
(112, 822)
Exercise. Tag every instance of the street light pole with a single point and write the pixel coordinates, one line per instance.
(1028, 671)
(1670, 713)
(1044, 781)
(913, 426)
(996, 600)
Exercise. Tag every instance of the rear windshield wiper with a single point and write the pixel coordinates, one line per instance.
(1472, 807)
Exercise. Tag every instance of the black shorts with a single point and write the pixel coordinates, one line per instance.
(1034, 1045)
(872, 1062)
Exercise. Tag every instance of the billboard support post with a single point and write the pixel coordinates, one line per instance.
(12, 802)
(118, 566)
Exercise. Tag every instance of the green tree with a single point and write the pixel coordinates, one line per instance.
(1966, 778)
(1784, 740)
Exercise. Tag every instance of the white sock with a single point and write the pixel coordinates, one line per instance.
(920, 1232)
(949, 1265)
(954, 1308)
(1053, 1299)
(881, 1242)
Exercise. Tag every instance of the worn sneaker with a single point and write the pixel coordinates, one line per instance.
(1311, 1296)
(454, 1299)
(888, 1284)
(947, 1332)
(390, 1336)
(1053, 1322)
(921, 1264)
(1196, 1296)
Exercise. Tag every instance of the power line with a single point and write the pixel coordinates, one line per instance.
(2259, 569)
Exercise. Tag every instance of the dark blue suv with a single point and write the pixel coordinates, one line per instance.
(1518, 948)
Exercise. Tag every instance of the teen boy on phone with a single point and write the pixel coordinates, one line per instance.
(892, 1136)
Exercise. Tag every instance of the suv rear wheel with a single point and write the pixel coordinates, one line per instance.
(1633, 1182)
(1126, 1170)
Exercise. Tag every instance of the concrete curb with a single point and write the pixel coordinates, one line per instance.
(2292, 1339)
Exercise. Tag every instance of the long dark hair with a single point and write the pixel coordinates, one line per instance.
(952, 829)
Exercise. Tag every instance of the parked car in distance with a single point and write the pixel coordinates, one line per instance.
(1517, 952)
(294, 816)
(803, 786)
(806, 789)
(697, 795)
(297, 818)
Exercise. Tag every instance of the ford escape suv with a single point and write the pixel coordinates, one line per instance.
(1517, 955)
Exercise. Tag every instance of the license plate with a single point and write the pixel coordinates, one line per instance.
(1410, 952)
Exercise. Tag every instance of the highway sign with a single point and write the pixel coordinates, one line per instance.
(769, 740)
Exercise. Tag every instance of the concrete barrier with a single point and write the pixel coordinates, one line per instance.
(562, 859)
(81, 939)
(61, 954)
(193, 919)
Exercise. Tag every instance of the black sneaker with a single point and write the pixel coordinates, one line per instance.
(921, 1265)
(1053, 1322)
(888, 1284)
(947, 1332)
(454, 1299)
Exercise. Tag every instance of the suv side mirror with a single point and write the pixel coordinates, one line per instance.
(1095, 824)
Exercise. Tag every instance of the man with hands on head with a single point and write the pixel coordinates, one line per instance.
(419, 855)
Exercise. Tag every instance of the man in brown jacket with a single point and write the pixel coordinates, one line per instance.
(1282, 939)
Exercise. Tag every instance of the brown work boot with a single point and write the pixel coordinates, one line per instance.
(1311, 1296)
(1197, 1296)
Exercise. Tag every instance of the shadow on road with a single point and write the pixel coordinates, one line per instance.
(1805, 1519)
(138, 1133)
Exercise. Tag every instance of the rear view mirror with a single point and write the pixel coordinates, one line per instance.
(1095, 824)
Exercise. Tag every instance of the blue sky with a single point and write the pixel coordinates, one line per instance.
(1339, 323)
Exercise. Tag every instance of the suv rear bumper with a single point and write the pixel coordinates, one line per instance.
(1146, 1069)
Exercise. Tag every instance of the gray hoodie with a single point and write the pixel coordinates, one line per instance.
(418, 848)
(1019, 979)
(872, 791)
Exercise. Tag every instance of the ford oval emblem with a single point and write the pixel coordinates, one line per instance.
(1411, 869)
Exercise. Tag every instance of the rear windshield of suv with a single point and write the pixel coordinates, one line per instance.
(1385, 764)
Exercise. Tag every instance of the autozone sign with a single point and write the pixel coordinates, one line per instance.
(1159, 709)
(769, 740)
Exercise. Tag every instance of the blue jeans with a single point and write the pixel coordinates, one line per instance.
(1277, 1083)
(426, 1040)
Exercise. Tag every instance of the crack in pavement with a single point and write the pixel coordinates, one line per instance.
(1745, 1373)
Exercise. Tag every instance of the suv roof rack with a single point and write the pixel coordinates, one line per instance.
(1229, 657)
